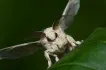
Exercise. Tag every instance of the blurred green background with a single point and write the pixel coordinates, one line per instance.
(19, 18)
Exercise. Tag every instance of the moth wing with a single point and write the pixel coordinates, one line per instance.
(20, 50)
(69, 13)
(37, 34)
(32, 36)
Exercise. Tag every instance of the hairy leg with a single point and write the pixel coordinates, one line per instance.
(56, 57)
(50, 52)
(79, 42)
(48, 58)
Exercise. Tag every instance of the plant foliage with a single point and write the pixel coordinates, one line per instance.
(90, 55)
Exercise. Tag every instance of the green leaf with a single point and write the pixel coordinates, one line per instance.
(90, 55)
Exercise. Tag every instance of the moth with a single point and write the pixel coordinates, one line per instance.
(53, 39)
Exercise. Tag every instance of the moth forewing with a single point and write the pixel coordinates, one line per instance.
(20, 50)
(69, 13)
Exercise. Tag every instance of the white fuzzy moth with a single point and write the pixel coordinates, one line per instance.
(53, 39)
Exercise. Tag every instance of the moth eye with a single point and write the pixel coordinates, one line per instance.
(49, 39)
(56, 35)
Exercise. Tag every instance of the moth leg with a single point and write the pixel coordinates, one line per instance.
(56, 57)
(72, 46)
(48, 58)
(71, 40)
(79, 42)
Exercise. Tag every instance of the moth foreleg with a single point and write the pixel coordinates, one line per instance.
(46, 53)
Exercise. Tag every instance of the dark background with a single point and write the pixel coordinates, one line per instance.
(19, 18)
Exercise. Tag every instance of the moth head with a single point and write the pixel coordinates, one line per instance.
(50, 34)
